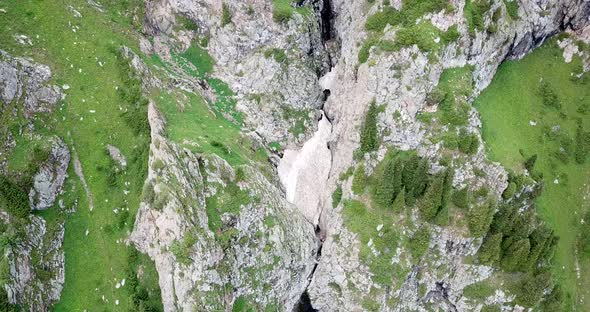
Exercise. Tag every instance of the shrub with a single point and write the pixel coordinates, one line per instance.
(584, 235)
(337, 196)
(582, 144)
(468, 143)
(282, 11)
(509, 191)
(359, 181)
(479, 290)
(461, 198)
(436, 96)
(16, 199)
(529, 164)
(277, 54)
(148, 194)
(451, 35)
(369, 132)
(422, 35)
(474, 11)
(365, 50)
(549, 96)
(512, 8)
(225, 14)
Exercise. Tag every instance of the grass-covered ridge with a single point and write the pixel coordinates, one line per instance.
(537, 106)
(82, 52)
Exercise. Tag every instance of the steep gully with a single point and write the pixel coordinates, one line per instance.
(304, 173)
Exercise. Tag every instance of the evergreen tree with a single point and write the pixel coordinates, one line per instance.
(369, 133)
(442, 217)
(410, 167)
(516, 255)
(490, 251)
(553, 301)
(531, 288)
(479, 218)
(461, 198)
(447, 187)
(359, 181)
(503, 219)
(539, 238)
(419, 182)
(400, 202)
(431, 202)
(418, 244)
(397, 177)
(385, 190)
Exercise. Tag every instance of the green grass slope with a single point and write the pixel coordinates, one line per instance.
(520, 119)
(81, 52)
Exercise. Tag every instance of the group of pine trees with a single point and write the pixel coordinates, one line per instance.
(518, 242)
(400, 180)
(403, 179)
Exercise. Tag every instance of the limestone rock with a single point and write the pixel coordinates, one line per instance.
(48, 181)
(36, 265)
(20, 76)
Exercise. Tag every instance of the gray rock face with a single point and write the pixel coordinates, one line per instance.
(48, 182)
(36, 274)
(19, 76)
(265, 87)
(266, 250)
(400, 80)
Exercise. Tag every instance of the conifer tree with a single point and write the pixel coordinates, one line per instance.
(442, 217)
(479, 219)
(400, 202)
(369, 133)
(516, 255)
(461, 198)
(430, 203)
(490, 251)
(385, 191)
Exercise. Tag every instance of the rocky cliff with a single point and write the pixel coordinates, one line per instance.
(269, 124)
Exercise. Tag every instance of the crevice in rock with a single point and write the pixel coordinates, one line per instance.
(326, 94)
(326, 16)
(304, 304)
(441, 294)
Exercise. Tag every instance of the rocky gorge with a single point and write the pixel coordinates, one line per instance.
(272, 127)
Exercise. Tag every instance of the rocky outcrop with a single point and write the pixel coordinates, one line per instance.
(48, 181)
(331, 35)
(401, 81)
(22, 77)
(244, 53)
(264, 250)
(36, 266)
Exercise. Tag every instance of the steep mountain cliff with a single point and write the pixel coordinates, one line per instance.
(277, 155)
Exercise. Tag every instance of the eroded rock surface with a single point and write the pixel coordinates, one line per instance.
(36, 264)
(22, 77)
(48, 181)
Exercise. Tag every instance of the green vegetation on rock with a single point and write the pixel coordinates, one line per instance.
(520, 117)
